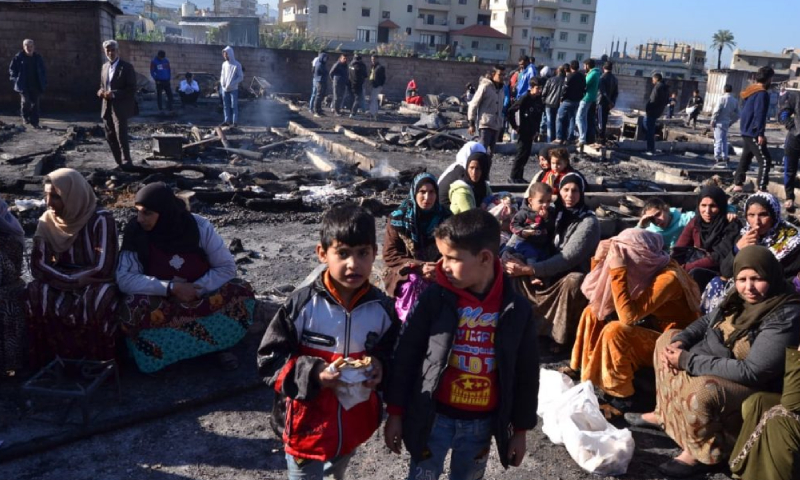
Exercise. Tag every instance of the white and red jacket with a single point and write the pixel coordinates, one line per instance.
(313, 328)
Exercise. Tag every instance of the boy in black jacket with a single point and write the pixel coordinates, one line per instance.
(466, 367)
(321, 412)
(752, 124)
(530, 107)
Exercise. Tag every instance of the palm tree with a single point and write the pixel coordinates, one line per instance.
(720, 40)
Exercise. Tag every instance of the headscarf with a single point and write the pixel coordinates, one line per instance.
(9, 223)
(412, 222)
(745, 315)
(646, 258)
(175, 232)
(455, 170)
(712, 232)
(480, 189)
(566, 216)
(783, 238)
(80, 205)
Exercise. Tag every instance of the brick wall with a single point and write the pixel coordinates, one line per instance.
(69, 36)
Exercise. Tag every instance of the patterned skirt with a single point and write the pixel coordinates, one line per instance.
(701, 414)
(71, 324)
(12, 326)
(160, 331)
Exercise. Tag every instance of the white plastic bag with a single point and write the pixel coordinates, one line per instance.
(350, 391)
(576, 421)
(552, 385)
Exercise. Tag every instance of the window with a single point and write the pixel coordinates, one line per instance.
(565, 17)
(385, 14)
(581, 38)
(408, 30)
(579, 57)
(344, 6)
(567, 1)
(323, 9)
(587, 2)
(584, 18)
(410, 8)
(365, 12)
(364, 35)
(522, 51)
(494, 16)
(461, 20)
(527, 14)
(561, 56)
(524, 33)
(500, 47)
(563, 36)
(462, 2)
(474, 44)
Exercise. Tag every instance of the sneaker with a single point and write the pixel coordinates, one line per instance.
(224, 124)
(234, 125)
(720, 164)
(649, 153)
(352, 116)
(316, 115)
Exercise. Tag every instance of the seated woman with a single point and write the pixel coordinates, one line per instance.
(467, 187)
(704, 373)
(635, 293)
(12, 291)
(409, 248)
(182, 299)
(769, 443)
(72, 298)
(554, 285)
(455, 171)
(659, 218)
(707, 238)
(765, 227)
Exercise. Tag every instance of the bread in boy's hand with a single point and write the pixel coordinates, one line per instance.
(351, 363)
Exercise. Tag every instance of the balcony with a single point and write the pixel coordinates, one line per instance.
(436, 5)
(484, 6)
(291, 17)
(543, 22)
(436, 26)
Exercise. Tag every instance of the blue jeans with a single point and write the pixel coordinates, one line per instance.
(230, 102)
(721, 142)
(583, 119)
(313, 96)
(470, 442)
(649, 124)
(566, 119)
(315, 469)
(550, 114)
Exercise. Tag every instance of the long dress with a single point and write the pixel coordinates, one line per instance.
(608, 353)
(160, 330)
(12, 293)
(72, 300)
(769, 443)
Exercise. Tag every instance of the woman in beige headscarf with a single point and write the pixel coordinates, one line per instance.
(72, 299)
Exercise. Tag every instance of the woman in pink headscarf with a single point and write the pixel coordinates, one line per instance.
(635, 293)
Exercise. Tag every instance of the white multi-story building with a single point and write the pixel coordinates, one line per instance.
(552, 31)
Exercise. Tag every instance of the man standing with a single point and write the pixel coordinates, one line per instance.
(339, 75)
(162, 74)
(608, 91)
(229, 80)
(357, 75)
(755, 107)
(527, 70)
(189, 90)
(28, 74)
(725, 115)
(659, 97)
(695, 107)
(552, 93)
(789, 117)
(486, 109)
(530, 107)
(320, 83)
(586, 107)
(573, 93)
(118, 91)
(377, 78)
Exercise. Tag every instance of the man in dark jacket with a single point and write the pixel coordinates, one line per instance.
(752, 123)
(162, 74)
(377, 78)
(570, 101)
(118, 91)
(659, 97)
(339, 75)
(608, 91)
(696, 104)
(553, 90)
(357, 75)
(28, 74)
(320, 83)
(789, 117)
(530, 107)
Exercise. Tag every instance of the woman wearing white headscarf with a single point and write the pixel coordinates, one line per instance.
(12, 318)
(72, 300)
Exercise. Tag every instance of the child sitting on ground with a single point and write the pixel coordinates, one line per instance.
(559, 167)
(533, 227)
(339, 315)
(467, 364)
(544, 164)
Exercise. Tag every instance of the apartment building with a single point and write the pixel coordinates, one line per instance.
(552, 31)
(424, 24)
(780, 62)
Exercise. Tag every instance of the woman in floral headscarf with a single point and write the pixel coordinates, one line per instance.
(409, 248)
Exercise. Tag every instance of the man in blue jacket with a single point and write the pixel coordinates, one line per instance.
(28, 74)
(753, 121)
(320, 83)
(161, 73)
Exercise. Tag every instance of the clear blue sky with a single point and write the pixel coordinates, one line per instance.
(756, 24)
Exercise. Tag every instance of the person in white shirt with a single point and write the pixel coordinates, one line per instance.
(189, 90)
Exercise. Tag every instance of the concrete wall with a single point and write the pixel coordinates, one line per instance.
(289, 71)
(69, 36)
(635, 91)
